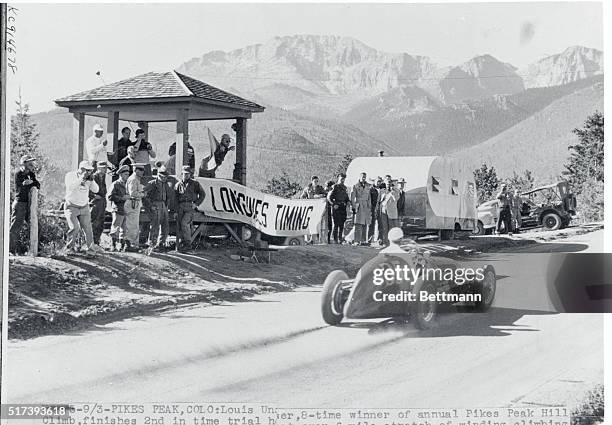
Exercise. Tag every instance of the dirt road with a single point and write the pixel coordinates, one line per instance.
(277, 350)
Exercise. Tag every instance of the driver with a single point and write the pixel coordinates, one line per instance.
(395, 237)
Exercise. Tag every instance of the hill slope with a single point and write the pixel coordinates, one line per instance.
(540, 142)
(416, 125)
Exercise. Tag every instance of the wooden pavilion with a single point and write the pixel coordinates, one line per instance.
(160, 97)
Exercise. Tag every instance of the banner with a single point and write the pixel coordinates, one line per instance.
(269, 214)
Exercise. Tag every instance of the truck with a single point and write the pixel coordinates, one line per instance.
(440, 192)
(551, 206)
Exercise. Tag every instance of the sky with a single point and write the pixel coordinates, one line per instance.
(61, 47)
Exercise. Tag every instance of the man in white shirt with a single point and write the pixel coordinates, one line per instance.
(76, 206)
(135, 190)
(96, 147)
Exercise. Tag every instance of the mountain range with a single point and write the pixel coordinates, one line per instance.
(327, 96)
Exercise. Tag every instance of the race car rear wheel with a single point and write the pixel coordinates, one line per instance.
(424, 313)
(331, 298)
(486, 288)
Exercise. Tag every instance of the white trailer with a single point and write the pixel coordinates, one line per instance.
(440, 191)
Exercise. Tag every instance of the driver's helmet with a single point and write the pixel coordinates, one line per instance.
(395, 235)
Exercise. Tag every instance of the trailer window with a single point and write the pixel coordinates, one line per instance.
(471, 191)
(454, 189)
(435, 183)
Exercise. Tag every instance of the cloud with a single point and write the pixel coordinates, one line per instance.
(527, 32)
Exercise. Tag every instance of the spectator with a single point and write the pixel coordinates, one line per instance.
(144, 151)
(130, 159)
(189, 195)
(401, 200)
(339, 199)
(219, 150)
(504, 202)
(25, 179)
(156, 201)
(388, 212)
(132, 208)
(171, 163)
(374, 208)
(118, 196)
(76, 206)
(382, 187)
(123, 144)
(96, 147)
(517, 206)
(361, 203)
(313, 190)
(97, 202)
(328, 210)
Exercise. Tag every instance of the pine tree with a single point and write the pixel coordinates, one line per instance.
(343, 165)
(283, 186)
(486, 182)
(586, 162)
(24, 136)
(522, 182)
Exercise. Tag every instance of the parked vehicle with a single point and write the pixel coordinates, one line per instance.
(487, 218)
(551, 206)
(440, 192)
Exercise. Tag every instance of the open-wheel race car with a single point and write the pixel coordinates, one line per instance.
(366, 297)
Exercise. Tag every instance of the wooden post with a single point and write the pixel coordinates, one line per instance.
(241, 148)
(33, 222)
(112, 132)
(182, 136)
(78, 139)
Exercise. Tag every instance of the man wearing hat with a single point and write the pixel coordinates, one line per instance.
(189, 195)
(361, 204)
(401, 199)
(97, 202)
(132, 207)
(209, 169)
(76, 206)
(25, 179)
(339, 199)
(374, 207)
(156, 201)
(504, 202)
(118, 196)
(96, 147)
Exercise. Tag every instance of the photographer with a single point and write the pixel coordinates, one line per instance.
(144, 151)
(25, 179)
(76, 206)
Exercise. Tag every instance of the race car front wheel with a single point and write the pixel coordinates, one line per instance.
(331, 299)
